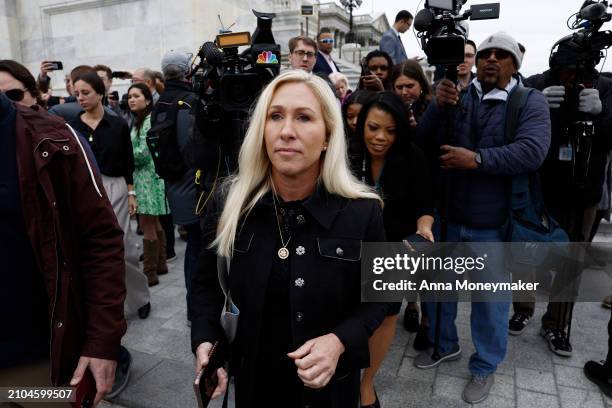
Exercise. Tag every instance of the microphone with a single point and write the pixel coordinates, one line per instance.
(423, 20)
(595, 11)
(211, 53)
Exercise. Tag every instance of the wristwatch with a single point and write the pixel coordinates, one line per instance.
(478, 159)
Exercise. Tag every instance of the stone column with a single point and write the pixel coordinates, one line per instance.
(10, 40)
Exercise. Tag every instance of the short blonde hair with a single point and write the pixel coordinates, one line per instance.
(253, 179)
(335, 77)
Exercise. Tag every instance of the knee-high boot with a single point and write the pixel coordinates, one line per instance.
(162, 267)
(150, 261)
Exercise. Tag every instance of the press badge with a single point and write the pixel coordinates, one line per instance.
(565, 153)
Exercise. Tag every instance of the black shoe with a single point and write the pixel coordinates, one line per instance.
(421, 342)
(601, 375)
(557, 341)
(122, 373)
(170, 257)
(143, 312)
(517, 323)
(376, 403)
(411, 320)
(141, 258)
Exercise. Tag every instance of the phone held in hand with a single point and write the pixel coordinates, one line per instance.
(56, 65)
(206, 381)
(85, 391)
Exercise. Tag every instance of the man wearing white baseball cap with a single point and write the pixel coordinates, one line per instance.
(477, 162)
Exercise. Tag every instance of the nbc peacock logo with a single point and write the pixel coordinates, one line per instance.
(267, 57)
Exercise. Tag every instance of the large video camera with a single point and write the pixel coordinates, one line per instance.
(580, 53)
(236, 79)
(583, 49)
(442, 30)
(228, 82)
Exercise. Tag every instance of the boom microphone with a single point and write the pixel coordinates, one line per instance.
(423, 20)
(211, 53)
(592, 12)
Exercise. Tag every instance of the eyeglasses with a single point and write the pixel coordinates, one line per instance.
(15, 95)
(302, 53)
(327, 41)
(499, 54)
(469, 55)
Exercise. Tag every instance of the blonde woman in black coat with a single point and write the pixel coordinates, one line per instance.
(293, 223)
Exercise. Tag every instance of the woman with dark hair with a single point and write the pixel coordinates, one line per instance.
(109, 138)
(149, 187)
(410, 84)
(351, 108)
(399, 172)
(17, 83)
(375, 71)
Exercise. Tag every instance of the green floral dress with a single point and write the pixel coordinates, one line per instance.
(150, 193)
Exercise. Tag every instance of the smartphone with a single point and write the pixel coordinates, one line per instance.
(85, 391)
(57, 65)
(207, 380)
(122, 74)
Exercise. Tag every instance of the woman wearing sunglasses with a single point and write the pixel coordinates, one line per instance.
(17, 83)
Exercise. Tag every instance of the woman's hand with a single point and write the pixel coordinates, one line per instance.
(132, 204)
(372, 82)
(424, 225)
(317, 359)
(202, 353)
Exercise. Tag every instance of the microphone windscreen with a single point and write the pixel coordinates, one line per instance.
(423, 20)
(593, 11)
(213, 55)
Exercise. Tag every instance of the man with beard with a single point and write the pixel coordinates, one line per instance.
(476, 169)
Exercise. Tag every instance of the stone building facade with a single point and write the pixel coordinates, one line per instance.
(127, 34)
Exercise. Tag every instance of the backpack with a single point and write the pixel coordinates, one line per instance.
(162, 139)
(528, 220)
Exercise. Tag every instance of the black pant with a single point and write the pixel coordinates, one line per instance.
(168, 226)
(609, 359)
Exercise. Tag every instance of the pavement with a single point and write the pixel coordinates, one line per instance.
(530, 376)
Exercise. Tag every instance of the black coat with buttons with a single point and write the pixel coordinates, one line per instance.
(325, 294)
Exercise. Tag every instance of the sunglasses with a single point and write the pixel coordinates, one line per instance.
(15, 95)
(499, 54)
(327, 41)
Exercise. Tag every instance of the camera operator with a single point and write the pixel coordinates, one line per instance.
(175, 105)
(571, 202)
(477, 166)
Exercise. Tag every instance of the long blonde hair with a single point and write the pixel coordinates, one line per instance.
(253, 179)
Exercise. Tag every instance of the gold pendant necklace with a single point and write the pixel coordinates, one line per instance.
(283, 252)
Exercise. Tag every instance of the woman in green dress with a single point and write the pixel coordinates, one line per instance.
(148, 186)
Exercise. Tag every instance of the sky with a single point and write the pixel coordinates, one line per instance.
(537, 24)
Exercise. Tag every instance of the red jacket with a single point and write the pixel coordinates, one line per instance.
(77, 242)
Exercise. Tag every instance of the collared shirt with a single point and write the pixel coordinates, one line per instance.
(111, 145)
(496, 93)
(330, 61)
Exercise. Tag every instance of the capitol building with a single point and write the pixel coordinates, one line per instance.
(128, 34)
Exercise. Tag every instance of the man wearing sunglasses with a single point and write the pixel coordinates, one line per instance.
(477, 162)
(325, 64)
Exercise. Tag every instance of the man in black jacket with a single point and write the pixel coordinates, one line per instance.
(572, 201)
(181, 192)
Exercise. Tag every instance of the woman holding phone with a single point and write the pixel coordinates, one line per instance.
(291, 226)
